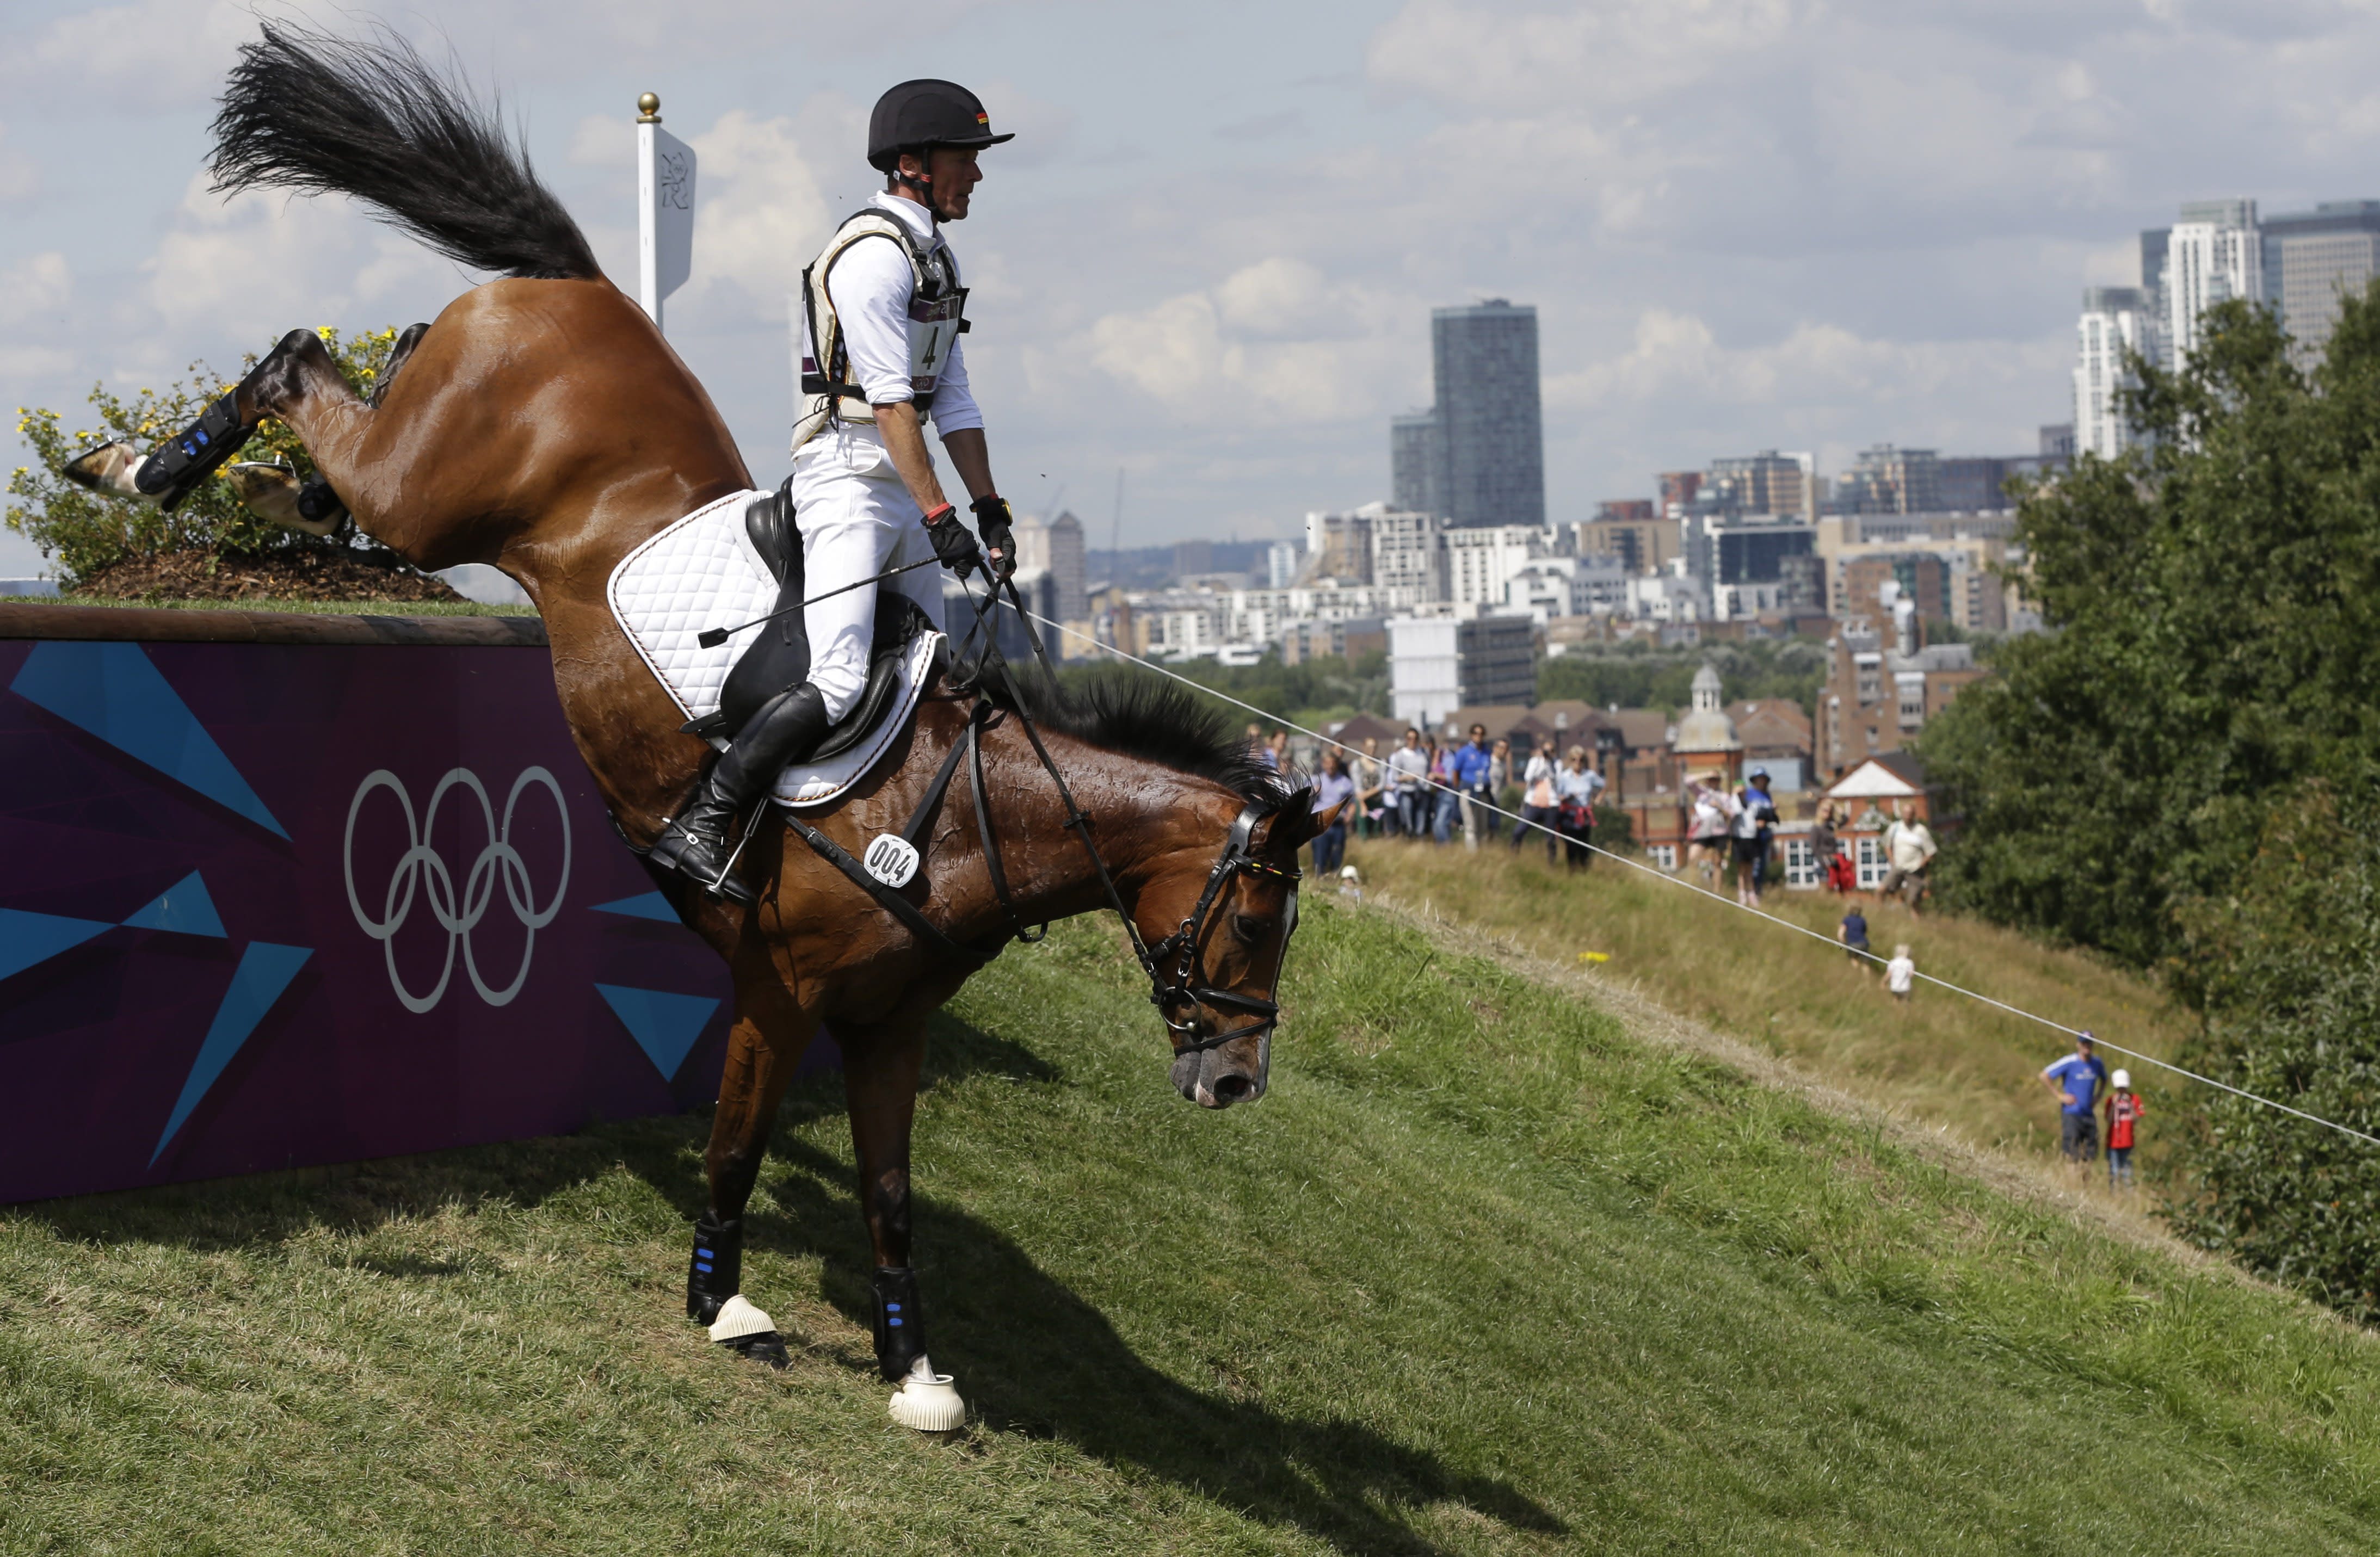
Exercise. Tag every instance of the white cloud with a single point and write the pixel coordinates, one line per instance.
(38, 285)
(19, 174)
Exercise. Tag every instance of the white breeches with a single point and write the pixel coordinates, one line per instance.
(857, 519)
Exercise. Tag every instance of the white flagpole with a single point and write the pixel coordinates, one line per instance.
(648, 293)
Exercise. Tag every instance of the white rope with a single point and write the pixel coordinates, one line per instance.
(1662, 876)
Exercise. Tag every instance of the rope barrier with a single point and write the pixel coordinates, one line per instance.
(1662, 876)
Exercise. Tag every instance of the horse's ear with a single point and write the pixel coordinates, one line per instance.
(1291, 826)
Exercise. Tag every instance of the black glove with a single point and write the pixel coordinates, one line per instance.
(991, 522)
(953, 544)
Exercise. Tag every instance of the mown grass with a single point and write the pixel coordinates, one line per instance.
(1941, 1058)
(312, 606)
(1484, 1274)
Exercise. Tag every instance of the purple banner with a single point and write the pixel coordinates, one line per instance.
(273, 904)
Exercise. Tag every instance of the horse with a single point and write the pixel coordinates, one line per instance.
(542, 424)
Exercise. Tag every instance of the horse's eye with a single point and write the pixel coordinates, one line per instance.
(1249, 928)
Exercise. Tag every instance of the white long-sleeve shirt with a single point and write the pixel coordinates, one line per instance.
(870, 287)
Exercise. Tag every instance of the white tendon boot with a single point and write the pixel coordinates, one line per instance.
(927, 1402)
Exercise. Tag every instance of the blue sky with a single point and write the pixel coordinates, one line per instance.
(1210, 257)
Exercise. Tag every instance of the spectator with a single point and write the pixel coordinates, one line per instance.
(1707, 829)
(1753, 829)
(1908, 851)
(1853, 933)
(1444, 795)
(1575, 787)
(1900, 974)
(1277, 751)
(1255, 742)
(1471, 768)
(1500, 779)
(2124, 1111)
(1332, 788)
(1372, 804)
(1825, 848)
(1537, 802)
(1408, 766)
(2077, 1080)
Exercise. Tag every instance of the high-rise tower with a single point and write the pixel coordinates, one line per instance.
(1490, 467)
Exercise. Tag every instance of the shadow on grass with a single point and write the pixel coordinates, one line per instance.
(1044, 1362)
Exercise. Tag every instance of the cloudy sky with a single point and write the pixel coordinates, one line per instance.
(1210, 257)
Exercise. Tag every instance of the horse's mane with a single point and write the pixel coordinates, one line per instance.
(1142, 716)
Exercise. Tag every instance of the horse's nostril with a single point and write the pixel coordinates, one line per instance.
(1230, 1089)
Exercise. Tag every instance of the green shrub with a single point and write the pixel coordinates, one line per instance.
(2287, 965)
(85, 532)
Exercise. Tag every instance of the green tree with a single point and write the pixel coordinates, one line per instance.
(1637, 675)
(85, 532)
(2212, 607)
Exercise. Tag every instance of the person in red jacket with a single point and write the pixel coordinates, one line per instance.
(2124, 1111)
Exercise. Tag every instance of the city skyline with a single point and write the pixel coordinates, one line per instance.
(1763, 228)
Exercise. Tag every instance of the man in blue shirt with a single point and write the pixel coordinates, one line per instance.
(2077, 1080)
(1470, 766)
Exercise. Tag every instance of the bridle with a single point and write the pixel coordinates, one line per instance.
(1186, 948)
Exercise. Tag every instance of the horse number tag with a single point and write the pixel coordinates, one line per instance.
(892, 859)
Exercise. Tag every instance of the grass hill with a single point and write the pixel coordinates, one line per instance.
(1943, 1059)
(1491, 1270)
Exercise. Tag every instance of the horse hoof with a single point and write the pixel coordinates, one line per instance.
(107, 470)
(272, 492)
(927, 1403)
(749, 1332)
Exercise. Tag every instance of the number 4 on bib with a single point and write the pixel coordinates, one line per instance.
(892, 859)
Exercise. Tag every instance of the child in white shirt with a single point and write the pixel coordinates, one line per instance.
(1900, 974)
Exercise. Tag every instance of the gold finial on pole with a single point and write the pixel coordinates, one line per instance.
(648, 109)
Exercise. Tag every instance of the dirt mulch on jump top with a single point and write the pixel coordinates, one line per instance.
(309, 573)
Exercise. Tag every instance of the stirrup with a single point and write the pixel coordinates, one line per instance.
(174, 472)
(692, 857)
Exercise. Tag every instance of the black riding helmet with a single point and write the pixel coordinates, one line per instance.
(920, 114)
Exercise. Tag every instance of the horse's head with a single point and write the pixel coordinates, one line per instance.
(1218, 929)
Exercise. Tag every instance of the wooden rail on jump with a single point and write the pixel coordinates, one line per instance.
(148, 624)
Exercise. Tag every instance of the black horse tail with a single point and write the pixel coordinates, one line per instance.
(317, 114)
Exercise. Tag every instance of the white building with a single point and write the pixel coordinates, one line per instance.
(1553, 586)
(1056, 544)
(2115, 320)
(1438, 664)
(1671, 596)
(1482, 558)
(1409, 552)
(1281, 564)
(2214, 254)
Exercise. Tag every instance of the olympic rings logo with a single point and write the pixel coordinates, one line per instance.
(423, 870)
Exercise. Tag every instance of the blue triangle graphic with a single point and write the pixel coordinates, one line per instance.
(27, 938)
(653, 905)
(184, 906)
(113, 691)
(263, 972)
(663, 1025)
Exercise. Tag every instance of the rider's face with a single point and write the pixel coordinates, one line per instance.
(955, 177)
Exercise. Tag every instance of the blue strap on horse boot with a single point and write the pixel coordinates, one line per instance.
(715, 1273)
(900, 1321)
(189, 457)
(694, 843)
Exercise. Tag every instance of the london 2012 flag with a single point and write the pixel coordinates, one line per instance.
(665, 210)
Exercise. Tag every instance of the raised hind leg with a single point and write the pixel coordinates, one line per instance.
(296, 380)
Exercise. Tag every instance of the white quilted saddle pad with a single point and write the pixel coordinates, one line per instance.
(702, 573)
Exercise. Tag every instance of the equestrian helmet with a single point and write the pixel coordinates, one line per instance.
(924, 112)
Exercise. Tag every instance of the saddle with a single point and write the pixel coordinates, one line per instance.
(779, 656)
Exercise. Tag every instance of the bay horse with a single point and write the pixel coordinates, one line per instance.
(542, 424)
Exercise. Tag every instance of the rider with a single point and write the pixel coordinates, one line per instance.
(880, 352)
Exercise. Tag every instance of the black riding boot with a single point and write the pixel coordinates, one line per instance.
(787, 728)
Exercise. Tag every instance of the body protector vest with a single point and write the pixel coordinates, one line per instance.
(937, 319)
